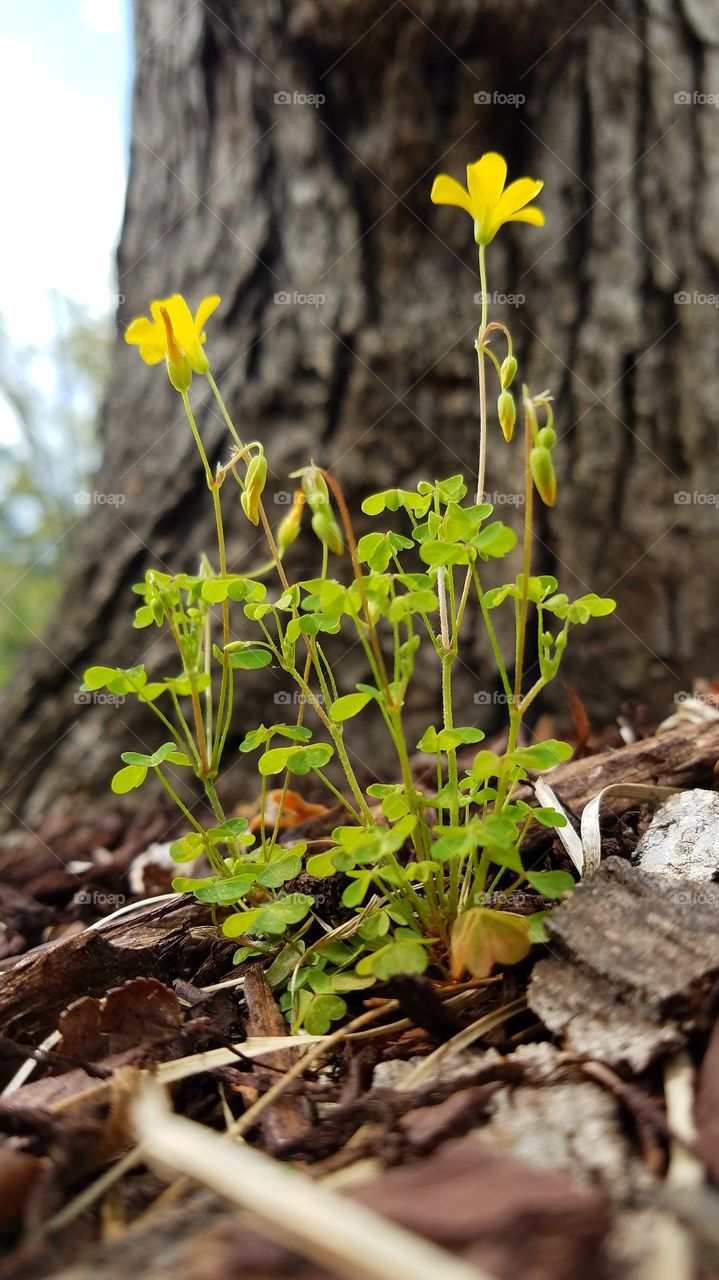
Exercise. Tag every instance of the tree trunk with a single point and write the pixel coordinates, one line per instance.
(286, 151)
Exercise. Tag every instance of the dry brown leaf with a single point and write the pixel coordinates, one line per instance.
(295, 810)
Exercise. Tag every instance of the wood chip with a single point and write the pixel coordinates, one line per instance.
(683, 837)
(634, 958)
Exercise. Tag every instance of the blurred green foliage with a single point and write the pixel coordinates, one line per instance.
(49, 400)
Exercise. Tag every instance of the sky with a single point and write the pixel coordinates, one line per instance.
(64, 103)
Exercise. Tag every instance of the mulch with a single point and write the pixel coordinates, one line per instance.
(541, 1150)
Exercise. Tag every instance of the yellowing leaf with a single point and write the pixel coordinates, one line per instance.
(482, 938)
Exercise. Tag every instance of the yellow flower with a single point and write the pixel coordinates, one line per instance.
(172, 334)
(487, 200)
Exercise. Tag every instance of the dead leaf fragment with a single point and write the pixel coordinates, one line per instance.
(482, 938)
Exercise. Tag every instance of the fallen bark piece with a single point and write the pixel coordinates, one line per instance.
(160, 942)
(683, 837)
(499, 1213)
(141, 1014)
(290, 1115)
(634, 958)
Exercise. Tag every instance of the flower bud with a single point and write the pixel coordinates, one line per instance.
(178, 366)
(507, 411)
(254, 484)
(289, 528)
(315, 488)
(507, 372)
(547, 438)
(327, 529)
(543, 475)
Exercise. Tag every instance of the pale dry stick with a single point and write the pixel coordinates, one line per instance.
(212, 1059)
(671, 1255)
(27, 1067)
(684, 1168)
(336, 1233)
(228, 982)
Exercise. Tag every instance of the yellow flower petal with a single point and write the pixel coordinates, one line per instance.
(203, 313)
(140, 331)
(183, 326)
(485, 181)
(151, 355)
(446, 190)
(174, 333)
(533, 216)
(516, 196)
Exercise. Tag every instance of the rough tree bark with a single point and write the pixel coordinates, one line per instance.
(235, 189)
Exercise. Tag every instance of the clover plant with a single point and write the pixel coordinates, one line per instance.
(421, 875)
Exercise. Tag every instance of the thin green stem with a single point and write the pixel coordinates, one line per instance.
(528, 529)
(338, 795)
(489, 627)
(521, 615)
(173, 794)
(482, 378)
(214, 800)
(221, 405)
(183, 722)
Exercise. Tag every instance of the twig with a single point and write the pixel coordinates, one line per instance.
(333, 1232)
